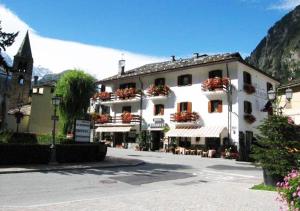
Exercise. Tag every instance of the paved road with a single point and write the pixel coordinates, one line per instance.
(165, 182)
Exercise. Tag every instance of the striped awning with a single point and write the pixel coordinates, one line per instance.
(113, 129)
(208, 131)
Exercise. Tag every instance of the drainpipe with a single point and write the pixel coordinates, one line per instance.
(141, 103)
(229, 96)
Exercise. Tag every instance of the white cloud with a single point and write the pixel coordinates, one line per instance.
(285, 5)
(59, 55)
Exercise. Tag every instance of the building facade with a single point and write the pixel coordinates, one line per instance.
(204, 100)
(291, 108)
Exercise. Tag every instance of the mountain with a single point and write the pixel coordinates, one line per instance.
(52, 77)
(40, 71)
(278, 53)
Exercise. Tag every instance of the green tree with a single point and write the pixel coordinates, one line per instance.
(6, 39)
(276, 149)
(75, 88)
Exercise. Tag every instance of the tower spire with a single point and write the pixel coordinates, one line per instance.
(25, 49)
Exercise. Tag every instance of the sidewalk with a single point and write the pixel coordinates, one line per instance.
(109, 162)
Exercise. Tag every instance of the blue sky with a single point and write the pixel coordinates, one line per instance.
(154, 27)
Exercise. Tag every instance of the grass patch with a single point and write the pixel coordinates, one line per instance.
(262, 186)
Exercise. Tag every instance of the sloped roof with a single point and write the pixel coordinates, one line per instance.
(181, 63)
(25, 109)
(292, 83)
(25, 49)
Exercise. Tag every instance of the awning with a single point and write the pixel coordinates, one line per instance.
(113, 129)
(209, 132)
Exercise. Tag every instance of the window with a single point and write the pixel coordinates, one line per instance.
(41, 91)
(126, 109)
(52, 90)
(21, 80)
(184, 107)
(159, 82)
(215, 73)
(159, 109)
(197, 139)
(34, 90)
(184, 80)
(269, 86)
(127, 85)
(247, 78)
(104, 109)
(102, 89)
(247, 107)
(215, 106)
(22, 67)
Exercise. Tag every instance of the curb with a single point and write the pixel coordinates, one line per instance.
(61, 168)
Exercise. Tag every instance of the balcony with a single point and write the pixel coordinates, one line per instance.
(125, 119)
(158, 93)
(185, 117)
(214, 88)
(127, 95)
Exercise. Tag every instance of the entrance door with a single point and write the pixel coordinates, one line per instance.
(213, 143)
(155, 140)
(118, 139)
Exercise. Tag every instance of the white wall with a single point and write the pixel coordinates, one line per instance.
(194, 94)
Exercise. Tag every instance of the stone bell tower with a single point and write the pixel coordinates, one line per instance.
(21, 75)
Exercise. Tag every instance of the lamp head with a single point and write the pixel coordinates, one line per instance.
(271, 94)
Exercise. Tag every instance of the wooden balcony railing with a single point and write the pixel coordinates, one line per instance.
(184, 117)
(125, 118)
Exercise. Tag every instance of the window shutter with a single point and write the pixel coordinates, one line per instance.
(209, 106)
(189, 107)
(154, 110)
(220, 106)
(190, 79)
(178, 107)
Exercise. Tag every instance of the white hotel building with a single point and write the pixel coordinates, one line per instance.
(211, 101)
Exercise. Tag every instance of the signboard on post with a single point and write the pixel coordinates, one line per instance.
(82, 131)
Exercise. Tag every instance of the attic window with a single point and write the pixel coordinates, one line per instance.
(34, 90)
(41, 91)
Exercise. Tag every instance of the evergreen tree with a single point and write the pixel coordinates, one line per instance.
(6, 39)
(277, 146)
(75, 88)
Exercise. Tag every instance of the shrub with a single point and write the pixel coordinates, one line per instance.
(85, 152)
(22, 138)
(289, 190)
(24, 154)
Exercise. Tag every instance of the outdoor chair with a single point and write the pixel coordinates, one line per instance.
(204, 154)
(192, 151)
(199, 152)
(211, 153)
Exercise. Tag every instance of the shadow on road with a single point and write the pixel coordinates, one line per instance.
(228, 167)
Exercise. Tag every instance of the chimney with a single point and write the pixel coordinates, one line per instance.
(196, 55)
(35, 80)
(173, 58)
(121, 67)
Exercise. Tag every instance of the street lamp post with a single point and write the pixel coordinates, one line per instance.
(55, 103)
(272, 94)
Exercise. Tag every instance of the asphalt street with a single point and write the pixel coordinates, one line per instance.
(165, 182)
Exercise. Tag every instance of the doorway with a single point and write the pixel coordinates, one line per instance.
(156, 140)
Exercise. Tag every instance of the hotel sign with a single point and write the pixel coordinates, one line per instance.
(82, 131)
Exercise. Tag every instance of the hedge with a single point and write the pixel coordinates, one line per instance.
(22, 138)
(24, 154)
(87, 152)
